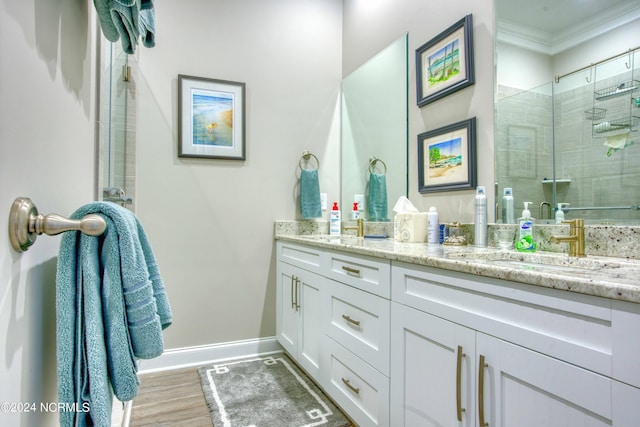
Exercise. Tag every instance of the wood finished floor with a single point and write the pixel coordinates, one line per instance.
(171, 398)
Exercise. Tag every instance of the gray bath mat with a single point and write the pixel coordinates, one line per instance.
(266, 392)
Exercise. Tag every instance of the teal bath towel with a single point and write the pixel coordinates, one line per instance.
(127, 20)
(111, 307)
(310, 206)
(377, 197)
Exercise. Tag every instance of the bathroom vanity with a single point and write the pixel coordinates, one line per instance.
(406, 334)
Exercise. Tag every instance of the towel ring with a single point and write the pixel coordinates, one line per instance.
(372, 164)
(25, 224)
(306, 156)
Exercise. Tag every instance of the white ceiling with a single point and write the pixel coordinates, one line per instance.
(551, 26)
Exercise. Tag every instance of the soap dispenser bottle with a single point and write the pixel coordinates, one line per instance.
(560, 213)
(334, 220)
(525, 231)
(355, 213)
(433, 229)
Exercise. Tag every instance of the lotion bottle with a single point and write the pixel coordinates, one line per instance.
(334, 220)
(433, 230)
(355, 213)
(480, 217)
(560, 213)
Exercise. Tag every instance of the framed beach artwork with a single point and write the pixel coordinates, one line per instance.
(211, 122)
(447, 158)
(445, 63)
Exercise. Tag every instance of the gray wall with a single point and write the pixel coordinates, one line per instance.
(211, 221)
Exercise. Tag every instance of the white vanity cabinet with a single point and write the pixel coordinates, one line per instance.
(356, 318)
(333, 318)
(467, 350)
(298, 305)
(400, 344)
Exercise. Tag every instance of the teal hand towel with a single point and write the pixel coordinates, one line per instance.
(310, 206)
(111, 307)
(377, 197)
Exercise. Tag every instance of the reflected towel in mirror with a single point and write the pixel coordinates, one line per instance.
(377, 197)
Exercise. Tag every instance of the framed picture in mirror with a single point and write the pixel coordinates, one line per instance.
(211, 122)
(444, 64)
(447, 158)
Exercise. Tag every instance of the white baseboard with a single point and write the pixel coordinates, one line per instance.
(194, 356)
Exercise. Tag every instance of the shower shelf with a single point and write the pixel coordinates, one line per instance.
(617, 90)
(595, 114)
(615, 126)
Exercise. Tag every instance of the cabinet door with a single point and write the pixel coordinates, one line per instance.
(286, 308)
(432, 370)
(298, 327)
(520, 387)
(310, 331)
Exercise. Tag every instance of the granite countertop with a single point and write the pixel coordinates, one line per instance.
(602, 276)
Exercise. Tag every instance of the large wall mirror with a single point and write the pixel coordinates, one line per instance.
(568, 108)
(374, 128)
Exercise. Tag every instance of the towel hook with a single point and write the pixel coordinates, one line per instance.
(372, 163)
(25, 224)
(306, 156)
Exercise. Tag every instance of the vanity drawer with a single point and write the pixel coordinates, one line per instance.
(299, 255)
(366, 273)
(360, 322)
(359, 389)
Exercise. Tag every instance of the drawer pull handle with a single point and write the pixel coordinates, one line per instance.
(350, 320)
(356, 390)
(351, 270)
(293, 301)
(481, 367)
(297, 294)
(459, 408)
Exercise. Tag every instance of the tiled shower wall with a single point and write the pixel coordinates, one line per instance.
(118, 112)
(587, 177)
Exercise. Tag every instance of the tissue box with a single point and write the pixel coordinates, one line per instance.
(410, 227)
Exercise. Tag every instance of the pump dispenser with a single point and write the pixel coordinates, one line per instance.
(355, 213)
(525, 231)
(560, 213)
(334, 220)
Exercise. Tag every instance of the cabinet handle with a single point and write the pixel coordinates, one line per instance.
(356, 390)
(351, 270)
(350, 320)
(293, 303)
(459, 408)
(481, 367)
(297, 293)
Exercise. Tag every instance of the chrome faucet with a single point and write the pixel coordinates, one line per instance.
(575, 237)
(359, 228)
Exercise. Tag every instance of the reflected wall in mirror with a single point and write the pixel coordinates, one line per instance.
(374, 125)
(557, 140)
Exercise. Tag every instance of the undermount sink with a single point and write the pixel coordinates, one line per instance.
(545, 261)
